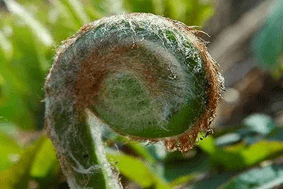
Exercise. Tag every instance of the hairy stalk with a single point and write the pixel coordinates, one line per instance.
(144, 76)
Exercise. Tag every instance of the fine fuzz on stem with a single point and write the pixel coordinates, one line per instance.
(144, 76)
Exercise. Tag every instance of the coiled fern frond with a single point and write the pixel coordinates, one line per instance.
(144, 76)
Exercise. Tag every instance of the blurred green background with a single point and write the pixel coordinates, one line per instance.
(246, 149)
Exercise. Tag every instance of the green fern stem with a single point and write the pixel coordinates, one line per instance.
(144, 76)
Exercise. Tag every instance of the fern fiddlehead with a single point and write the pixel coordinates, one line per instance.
(144, 76)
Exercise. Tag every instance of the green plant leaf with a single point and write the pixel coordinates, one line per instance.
(68, 19)
(191, 12)
(260, 178)
(139, 5)
(136, 170)
(241, 156)
(276, 134)
(45, 160)
(18, 175)
(76, 9)
(177, 166)
(14, 108)
(10, 151)
(214, 181)
(142, 151)
(8, 128)
(260, 123)
(181, 180)
(21, 93)
(220, 157)
(39, 30)
(6, 46)
(260, 151)
(268, 43)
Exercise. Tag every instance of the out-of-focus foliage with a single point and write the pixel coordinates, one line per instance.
(191, 12)
(268, 44)
(9, 151)
(30, 32)
(266, 177)
(18, 175)
(137, 170)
